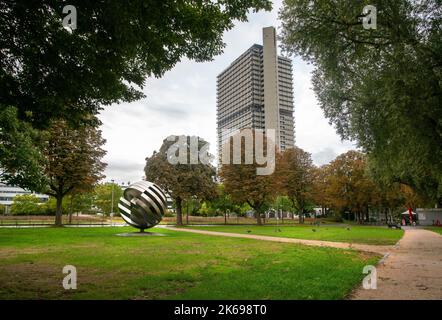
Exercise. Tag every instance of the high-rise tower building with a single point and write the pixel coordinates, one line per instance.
(256, 92)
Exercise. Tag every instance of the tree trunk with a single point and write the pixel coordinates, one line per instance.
(187, 215)
(225, 217)
(258, 218)
(70, 211)
(58, 211)
(179, 214)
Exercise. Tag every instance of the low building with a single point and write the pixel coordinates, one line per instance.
(429, 217)
(7, 194)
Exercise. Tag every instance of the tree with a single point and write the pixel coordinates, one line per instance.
(80, 202)
(381, 87)
(393, 198)
(103, 197)
(285, 204)
(182, 179)
(73, 161)
(26, 204)
(223, 202)
(21, 160)
(51, 72)
(242, 182)
(349, 189)
(319, 188)
(294, 177)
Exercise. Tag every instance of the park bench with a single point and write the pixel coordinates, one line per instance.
(394, 225)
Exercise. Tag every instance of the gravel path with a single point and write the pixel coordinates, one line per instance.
(412, 270)
(318, 243)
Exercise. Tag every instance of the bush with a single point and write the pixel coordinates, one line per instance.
(27, 204)
(169, 214)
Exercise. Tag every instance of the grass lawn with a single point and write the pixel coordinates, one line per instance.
(435, 229)
(353, 234)
(179, 265)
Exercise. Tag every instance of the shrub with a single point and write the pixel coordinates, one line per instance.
(27, 204)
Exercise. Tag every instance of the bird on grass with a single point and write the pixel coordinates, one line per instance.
(248, 231)
(314, 230)
(348, 228)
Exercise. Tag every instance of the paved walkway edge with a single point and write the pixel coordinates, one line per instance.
(318, 243)
(411, 271)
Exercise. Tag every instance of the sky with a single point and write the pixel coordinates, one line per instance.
(183, 102)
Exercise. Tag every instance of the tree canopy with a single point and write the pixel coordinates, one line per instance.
(47, 71)
(348, 187)
(103, 197)
(21, 160)
(182, 180)
(294, 176)
(73, 160)
(25, 204)
(241, 180)
(380, 87)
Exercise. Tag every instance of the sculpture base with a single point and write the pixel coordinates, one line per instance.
(141, 234)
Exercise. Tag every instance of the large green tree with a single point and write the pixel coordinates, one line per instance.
(57, 161)
(48, 71)
(182, 168)
(380, 87)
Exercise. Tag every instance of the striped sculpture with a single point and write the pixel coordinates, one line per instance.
(142, 205)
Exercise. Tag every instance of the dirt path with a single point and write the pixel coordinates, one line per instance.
(318, 243)
(413, 269)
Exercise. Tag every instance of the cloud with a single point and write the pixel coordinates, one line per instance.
(324, 156)
(183, 101)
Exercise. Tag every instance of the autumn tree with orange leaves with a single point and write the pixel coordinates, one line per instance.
(348, 187)
(242, 182)
(294, 178)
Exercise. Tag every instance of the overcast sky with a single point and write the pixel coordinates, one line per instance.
(183, 101)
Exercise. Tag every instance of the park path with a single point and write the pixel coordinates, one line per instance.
(412, 270)
(318, 243)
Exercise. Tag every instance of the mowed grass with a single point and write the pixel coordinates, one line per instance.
(178, 265)
(435, 229)
(351, 234)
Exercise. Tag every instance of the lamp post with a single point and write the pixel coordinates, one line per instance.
(112, 203)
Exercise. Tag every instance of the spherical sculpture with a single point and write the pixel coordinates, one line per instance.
(142, 205)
